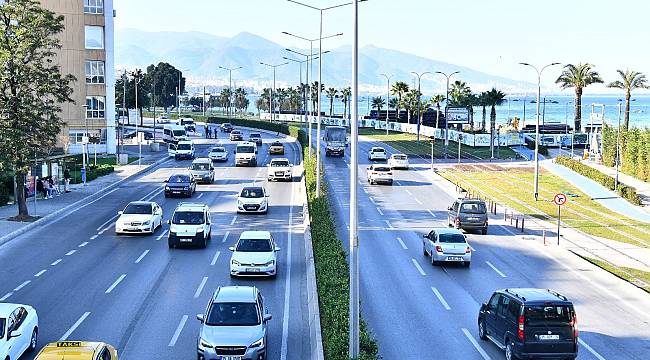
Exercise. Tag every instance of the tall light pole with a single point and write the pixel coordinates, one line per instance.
(230, 70)
(178, 96)
(387, 98)
(275, 66)
(137, 114)
(419, 98)
(618, 150)
(539, 95)
(446, 113)
(320, 80)
(300, 84)
(309, 68)
(308, 58)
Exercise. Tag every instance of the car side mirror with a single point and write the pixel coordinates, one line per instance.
(232, 248)
(169, 222)
(200, 318)
(277, 248)
(13, 334)
(368, 167)
(450, 208)
(290, 164)
(120, 212)
(268, 165)
(483, 307)
(268, 317)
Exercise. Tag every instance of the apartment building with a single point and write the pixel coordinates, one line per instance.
(88, 53)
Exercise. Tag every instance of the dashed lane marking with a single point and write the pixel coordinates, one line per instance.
(83, 244)
(380, 212)
(22, 285)
(56, 262)
(200, 288)
(6, 296)
(418, 267)
(70, 252)
(476, 345)
(94, 237)
(590, 349)
(177, 333)
(161, 235)
(117, 282)
(40, 273)
(75, 326)
(432, 213)
(402, 243)
(142, 256)
(234, 218)
(495, 269)
(215, 258)
(225, 237)
(441, 299)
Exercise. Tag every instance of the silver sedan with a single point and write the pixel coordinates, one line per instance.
(447, 245)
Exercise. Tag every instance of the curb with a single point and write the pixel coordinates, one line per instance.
(46, 219)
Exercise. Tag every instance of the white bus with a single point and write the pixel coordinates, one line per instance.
(174, 133)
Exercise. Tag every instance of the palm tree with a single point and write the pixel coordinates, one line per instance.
(483, 103)
(315, 94)
(410, 103)
(332, 94)
(458, 92)
(240, 99)
(494, 98)
(437, 99)
(225, 97)
(399, 88)
(631, 80)
(378, 103)
(345, 97)
(425, 105)
(578, 77)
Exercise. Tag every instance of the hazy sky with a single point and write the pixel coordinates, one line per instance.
(488, 35)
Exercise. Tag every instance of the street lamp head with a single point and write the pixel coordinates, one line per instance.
(555, 63)
(525, 64)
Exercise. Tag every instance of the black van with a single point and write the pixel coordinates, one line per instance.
(530, 323)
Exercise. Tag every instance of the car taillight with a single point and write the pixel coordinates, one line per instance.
(438, 248)
(468, 250)
(520, 328)
(574, 324)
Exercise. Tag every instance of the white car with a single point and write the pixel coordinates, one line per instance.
(280, 169)
(380, 174)
(447, 245)
(218, 153)
(246, 154)
(398, 161)
(191, 224)
(184, 150)
(139, 217)
(254, 254)
(18, 330)
(377, 153)
(253, 199)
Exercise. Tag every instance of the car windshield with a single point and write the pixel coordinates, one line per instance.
(335, 134)
(184, 147)
(473, 208)
(541, 315)
(188, 122)
(378, 150)
(233, 314)
(254, 135)
(279, 163)
(276, 144)
(252, 193)
(201, 166)
(179, 179)
(254, 245)
(245, 150)
(218, 150)
(137, 209)
(382, 168)
(2, 327)
(179, 132)
(236, 132)
(188, 218)
(451, 238)
(227, 125)
(399, 157)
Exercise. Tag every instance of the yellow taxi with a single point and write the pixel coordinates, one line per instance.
(77, 350)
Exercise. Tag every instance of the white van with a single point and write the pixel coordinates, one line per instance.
(246, 154)
(174, 133)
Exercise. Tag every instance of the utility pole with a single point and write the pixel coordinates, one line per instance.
(354, 169)
(273, 89)
(387, 99)
(618, 150)
(230, 70)
(419, 100)
(447, 107)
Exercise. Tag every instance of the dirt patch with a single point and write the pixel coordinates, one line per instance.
(23, 218)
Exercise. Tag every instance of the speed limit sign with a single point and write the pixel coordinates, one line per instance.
(560, 199)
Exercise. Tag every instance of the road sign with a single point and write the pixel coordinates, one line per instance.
(560, 199)
(457, 115)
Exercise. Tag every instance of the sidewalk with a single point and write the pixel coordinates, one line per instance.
(642, 187)
(44, 207)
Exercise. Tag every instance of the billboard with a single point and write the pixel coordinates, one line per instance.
(457, 115)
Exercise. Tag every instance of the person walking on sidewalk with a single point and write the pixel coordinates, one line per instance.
(66, 180)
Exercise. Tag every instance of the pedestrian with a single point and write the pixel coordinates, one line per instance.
(40, 188)
(66, 179)
(53, 188)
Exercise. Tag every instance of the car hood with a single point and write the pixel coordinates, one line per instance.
(232, 335)
(253, 257)
(178, 184)
(201, 172)
(134, 217)
(218, 154)
(279, 168)
(255, 201)
(185, 230)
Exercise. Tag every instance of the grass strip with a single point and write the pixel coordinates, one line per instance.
(638, 278)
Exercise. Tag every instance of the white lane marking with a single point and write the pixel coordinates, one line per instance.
(83, 244)
(177, 333)
(200, 288)
(372, 200)
(388, 223)
(22, 285)
(94, 237)
(364, 190)
(156, 193)
(432, 213)
(441, 299)
(415, 262)
(287, 284)
(6, 296)
(70, 252)
(476, 345)
(117, 282)
(75, 326)
(234, 218)
(214, 259)
(40, 273)
(418, 201)
(495, 269)
(402, 243)
(56, 262)
(142, 256)
(161, 235)
(200, 196)
(225, 236)
(348, 165)
(590, 349)
(408, 192)
(107, 222)
(380, 212)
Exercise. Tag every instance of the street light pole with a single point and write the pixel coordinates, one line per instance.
(137, 114)
(273, 89)
(230, 70)
(387, 98)
(419, 100)
(447, 107)
(539, 95)
(618, 151)
(354, 169)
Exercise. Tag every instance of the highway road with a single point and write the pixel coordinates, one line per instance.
(134, 292)
(417, 311)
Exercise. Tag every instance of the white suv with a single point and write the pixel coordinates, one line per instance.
(190, 225)
(377, 153)
(280, 169)
(380, 174)
(184, 150)
(398, 161)
(246, 154)
(254, 254)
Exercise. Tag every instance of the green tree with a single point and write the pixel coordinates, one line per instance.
(315, 95)
(437, 99)
(483, 103)
(345, 98)
(410, 103)
(578, 77)
(166, 78)
(225, 98)
(399, 88)
(458, 93)
(494, 98)
(630, 80)
(332, 94)
(642, 158)
(378, 103)
(32, 87)
(240, 101)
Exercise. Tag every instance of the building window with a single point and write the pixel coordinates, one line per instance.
(94, 72)
(95, 106)
(76, 137)
(94, 6)
(94, 37)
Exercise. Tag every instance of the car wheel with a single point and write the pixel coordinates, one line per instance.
(424, 251)
(481, 330)
(34, 341)
(484, 231)
(467, 263)
(170, 244)
(205, 243)
(166, 195)
(509, 354)
(433, 260)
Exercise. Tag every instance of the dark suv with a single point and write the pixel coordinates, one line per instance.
(468, 214)
(530, 323)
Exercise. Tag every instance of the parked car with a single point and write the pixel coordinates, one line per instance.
(190, 225)
(226, 127)
(18, 330)
(280, 169)
(276, 148)
(180, 185)
(202, 170)
(139, 217)
(445, 245)
(380, 174)
(398, 161)
(377, 153)
(530, 323)
(218, 153)
(234, 325)
(254, 254)
(468, 214)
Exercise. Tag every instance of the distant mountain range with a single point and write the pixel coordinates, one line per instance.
(201, 54)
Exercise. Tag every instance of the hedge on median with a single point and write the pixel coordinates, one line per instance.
(626, 192)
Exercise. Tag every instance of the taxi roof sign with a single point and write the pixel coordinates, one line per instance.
(68, 344)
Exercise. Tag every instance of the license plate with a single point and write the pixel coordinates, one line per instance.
(252, 270)
(472, 219)
(176, 192)
(186, 240)
(549, 337)
(454, 258)
(230, 358)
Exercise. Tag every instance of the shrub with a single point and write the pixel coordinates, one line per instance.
(530, 144)
(258, 124)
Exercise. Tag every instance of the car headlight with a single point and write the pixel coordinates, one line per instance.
(186, 187)
(270, 263)
(239, 203)
(205, 344)
(148, 222)
(199, 230)
(166, 187)
(235, 262)
(258, 343)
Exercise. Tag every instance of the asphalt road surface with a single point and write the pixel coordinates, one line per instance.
(134, 292)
